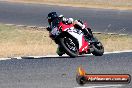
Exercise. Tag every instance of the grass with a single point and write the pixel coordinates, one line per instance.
(17, 41)
(24, 42)
(107, 4)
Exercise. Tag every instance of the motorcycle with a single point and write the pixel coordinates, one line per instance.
(72, 40)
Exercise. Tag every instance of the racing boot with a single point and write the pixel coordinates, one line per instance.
(60, 51)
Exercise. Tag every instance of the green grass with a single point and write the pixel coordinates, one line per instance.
(17, 41)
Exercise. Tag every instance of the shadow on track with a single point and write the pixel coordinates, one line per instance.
(48, 57)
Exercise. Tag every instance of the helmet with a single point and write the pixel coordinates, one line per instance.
(52, 16)
(70, 20)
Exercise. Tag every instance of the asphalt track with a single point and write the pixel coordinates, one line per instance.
(60, 72)
(100, 20)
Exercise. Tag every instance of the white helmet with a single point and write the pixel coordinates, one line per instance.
(70, 20)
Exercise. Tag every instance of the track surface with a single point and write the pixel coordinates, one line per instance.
(100, 20)
(61, 72)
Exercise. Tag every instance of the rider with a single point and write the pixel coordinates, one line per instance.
(77, 24)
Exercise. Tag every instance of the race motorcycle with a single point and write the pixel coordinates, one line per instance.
(72, 40)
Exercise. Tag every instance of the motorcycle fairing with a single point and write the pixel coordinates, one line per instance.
(76, 33)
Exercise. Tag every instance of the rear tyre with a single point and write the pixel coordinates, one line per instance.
(69, 46)
(98, 48)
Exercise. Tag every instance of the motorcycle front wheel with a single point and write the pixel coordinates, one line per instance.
(69, 46)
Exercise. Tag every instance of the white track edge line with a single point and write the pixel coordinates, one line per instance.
(124, 51)
(114, 52)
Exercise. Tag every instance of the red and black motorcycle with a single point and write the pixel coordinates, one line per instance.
(72, 40)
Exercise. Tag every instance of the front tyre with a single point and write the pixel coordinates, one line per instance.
(69, 46)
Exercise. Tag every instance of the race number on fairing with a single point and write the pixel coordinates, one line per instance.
(75, 30)
(55, 31)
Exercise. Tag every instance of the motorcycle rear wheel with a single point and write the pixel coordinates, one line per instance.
(98, 49)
